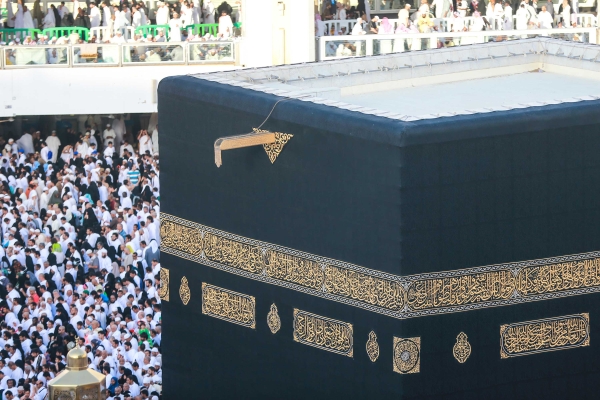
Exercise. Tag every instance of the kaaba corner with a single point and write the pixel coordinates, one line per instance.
(402, 226)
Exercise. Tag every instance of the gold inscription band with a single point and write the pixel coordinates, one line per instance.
(393, 295)
(323, 333)
(228, 305)
(549, 334)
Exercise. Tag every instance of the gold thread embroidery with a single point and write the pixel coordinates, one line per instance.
(461, 290)
(558, 277)
(372, 347)
(396, 296)
(233, 253)
(163, 291)
(462, 348)
(179, 236)
(323, 333)
(359, 286)
(548, 334)
(273, 319)
(273, 149)
(291, 268)
(228, 305)
(184, 291)
(407, 355)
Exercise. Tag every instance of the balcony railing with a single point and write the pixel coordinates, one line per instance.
(118, 55)
(332, 47)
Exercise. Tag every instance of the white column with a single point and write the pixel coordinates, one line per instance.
(257, 35)
(276, 32)
(300, 43)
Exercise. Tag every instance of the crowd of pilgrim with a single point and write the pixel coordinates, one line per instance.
(118, 17)
(79, 260)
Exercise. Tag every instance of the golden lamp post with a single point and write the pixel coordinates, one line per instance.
(77, 381)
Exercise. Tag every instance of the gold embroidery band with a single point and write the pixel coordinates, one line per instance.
(393, 295)
(550, 334)
(228, 305)
(323, 333)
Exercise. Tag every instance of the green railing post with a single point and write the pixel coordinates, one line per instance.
(203, 28)
(9, 34)
(67, 31)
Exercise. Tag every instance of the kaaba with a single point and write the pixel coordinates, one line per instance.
(421, 225)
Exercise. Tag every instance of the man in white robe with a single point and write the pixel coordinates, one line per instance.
(545, 19)
(49, 20)
(341, 11)
(118, 125)
(94, 15)
(155, 140)
(27, 19)
(10, 15)
(162, 14)
(208, 12)
(508, 16)
(404, 15)
(175, 32)
(522, 18)
(136, 18)
(26, 143)
(442, 7)
(106, 16)
(44, 152)
(18, 18)
(53, 143)
(143, 15)
(120, 19)
(108, 135)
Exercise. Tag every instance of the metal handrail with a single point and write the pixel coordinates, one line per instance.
(433, 37)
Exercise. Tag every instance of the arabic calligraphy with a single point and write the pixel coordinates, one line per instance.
(163, 291)
(461, 290)
(369, 289)
(393, 295)
(228, 305)
(233, 253)
(292, 268)
(180, 236)
(542, 335)
(323, 333)
(559, 277)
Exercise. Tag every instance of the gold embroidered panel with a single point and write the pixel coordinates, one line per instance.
(549, 334)
(407, 355)
(229, 306)
(163, 291)
(393, 295)
(273, 320)
(323, 333)
(372, 347)
(462, 348)
(184, 291)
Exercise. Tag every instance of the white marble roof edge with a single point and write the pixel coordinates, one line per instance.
(223, 78)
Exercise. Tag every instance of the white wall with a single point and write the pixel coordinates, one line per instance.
(101, 90)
